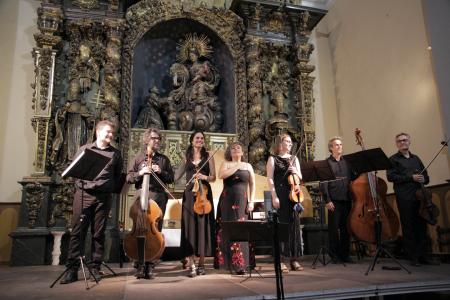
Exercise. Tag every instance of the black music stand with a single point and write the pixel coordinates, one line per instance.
(320, 171)
(256, 230)
(373, 160)
(86, 166)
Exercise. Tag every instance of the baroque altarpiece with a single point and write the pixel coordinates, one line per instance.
(238, 70)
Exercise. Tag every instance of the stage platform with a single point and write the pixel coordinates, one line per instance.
(333, 281)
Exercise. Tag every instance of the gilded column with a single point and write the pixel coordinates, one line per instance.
(304, 86)
(49, 21)
(256, 122)
(112, 83)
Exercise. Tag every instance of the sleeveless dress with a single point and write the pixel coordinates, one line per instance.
(232, 207)
(286, 212)
(197, 231)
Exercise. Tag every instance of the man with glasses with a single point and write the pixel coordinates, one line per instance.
(407, 178)
(161, 167)
(338, 201)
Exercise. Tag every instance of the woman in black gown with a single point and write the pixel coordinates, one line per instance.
(279, 167)
(197, 231)
(235, 201)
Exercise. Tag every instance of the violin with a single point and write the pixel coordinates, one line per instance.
(296, 193)
(202, 205)
(146, 214)
(369, 200)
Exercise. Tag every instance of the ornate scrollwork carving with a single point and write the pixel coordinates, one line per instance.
(34, 193)
(86, 4)
(62, 199)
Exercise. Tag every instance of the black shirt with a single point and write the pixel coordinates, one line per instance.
(338, 190)
(107, 179)
(140, 161)
(404, 168)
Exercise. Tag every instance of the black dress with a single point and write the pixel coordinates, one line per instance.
(286, 212)
(197, 231)
(232, 207)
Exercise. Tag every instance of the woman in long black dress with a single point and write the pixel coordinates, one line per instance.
(235, 201)
(197, 231)
(279, 167)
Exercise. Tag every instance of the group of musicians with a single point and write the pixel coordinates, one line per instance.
(201, 231)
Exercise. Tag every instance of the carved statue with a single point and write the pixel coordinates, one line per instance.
(87, 69)
(195, 82)
(149, 115)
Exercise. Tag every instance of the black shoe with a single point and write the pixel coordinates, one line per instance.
(348, 260)
(96, 274)
(426, 261)
(414, 263)
(148, 272)
(71, 276)
(140, 272)
(201, 270)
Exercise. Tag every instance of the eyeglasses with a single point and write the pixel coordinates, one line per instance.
(403, 141)
(155, 138)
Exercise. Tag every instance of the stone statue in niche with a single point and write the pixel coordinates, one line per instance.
(149, 115)
(73, 121)
(193, 104)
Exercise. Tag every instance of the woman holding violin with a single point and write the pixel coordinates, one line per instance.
(407, 181)
(235, 202)
(286, 195)
(157, 166)
(197, 218)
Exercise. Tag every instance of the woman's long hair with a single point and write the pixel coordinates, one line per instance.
(276, 145)
(190, 149)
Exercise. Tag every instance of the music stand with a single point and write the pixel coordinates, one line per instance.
(373, 160)
(257, 230)
(86, 166)
(319, 171)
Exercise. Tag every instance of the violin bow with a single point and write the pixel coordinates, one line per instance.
(199, 169)
(444, 144)
(295, 155)
(155, 176)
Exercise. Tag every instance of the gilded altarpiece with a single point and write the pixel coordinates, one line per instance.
(236, 69)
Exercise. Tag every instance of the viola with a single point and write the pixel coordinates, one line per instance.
(368, 189)
(146, 214)
(427, 210)
(296, 193)
(202, 205)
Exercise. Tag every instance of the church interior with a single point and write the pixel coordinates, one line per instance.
(237, 70)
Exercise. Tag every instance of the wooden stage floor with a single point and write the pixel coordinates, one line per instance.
(333, 281)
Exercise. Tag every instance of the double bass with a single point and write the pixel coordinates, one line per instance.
(146, 216)
(369, 190)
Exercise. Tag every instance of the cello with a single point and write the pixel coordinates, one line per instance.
(369, 201)
(146, 215)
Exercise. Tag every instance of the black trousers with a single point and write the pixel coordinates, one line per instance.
(96, 208)
(338, 235)
(414, 228)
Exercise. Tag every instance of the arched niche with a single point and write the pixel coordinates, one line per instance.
(224, 28)
(157, 50)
